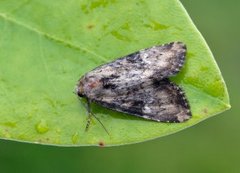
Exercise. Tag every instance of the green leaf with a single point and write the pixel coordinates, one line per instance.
(46, 46)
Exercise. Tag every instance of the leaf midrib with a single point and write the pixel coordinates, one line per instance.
(49, 36)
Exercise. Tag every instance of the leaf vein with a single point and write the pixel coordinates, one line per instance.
(52, 37)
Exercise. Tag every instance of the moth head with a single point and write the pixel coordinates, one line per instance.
(79, 89)
(88, 85)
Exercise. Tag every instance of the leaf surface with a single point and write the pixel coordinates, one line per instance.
(46, 46)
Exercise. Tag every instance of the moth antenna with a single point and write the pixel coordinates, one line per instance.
(101, 124)
(90, 114)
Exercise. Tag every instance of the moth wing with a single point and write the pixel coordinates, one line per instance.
(157, 62)
(160, 101)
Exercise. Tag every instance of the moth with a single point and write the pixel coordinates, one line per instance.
(138, 84)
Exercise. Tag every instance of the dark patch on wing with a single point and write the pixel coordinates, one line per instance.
(137, 103)
(134, 58)
(168, 46)
(107, 82)
(109, 86)
(170, 118)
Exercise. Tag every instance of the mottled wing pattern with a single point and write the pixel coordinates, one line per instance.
(157, 62)
(160, 101)
(137, 84)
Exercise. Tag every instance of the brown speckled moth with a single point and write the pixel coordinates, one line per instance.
(138, 84)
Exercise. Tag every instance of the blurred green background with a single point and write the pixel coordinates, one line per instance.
(209, 147)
